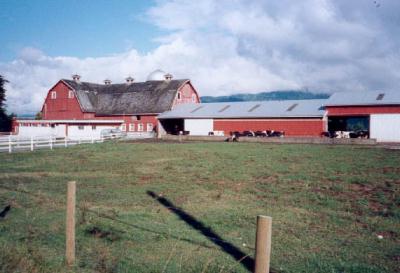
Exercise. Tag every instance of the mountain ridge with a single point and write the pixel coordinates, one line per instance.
(265, 96)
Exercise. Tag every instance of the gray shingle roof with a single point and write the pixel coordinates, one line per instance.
(249, 109)
(117, 99)
(364, 98)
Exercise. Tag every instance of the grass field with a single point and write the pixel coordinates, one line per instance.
(329, 205)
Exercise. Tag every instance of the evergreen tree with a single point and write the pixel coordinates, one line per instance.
(5, 120)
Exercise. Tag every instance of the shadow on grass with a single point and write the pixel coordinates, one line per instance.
(227, 247)
(105, 216)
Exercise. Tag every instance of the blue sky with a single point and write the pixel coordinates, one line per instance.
(79, 28)
(223, 46)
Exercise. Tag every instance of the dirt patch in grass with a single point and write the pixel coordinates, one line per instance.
(99, 232)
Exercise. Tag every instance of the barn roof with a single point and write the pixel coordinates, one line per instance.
(118, 99)
(248, 109)
(364, 98)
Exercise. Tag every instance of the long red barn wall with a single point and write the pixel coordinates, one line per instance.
(361, 110)
(291, 127)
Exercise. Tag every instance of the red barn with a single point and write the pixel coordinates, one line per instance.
(294, 117)
(76, 108)
(376, 112)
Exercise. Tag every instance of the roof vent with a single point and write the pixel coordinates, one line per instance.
(129, 80)
(168, 77)
(254, 107)
(380, 96)
(76, 77)
(196, 109)
(292, 107)
(224, 108)
(107, 82)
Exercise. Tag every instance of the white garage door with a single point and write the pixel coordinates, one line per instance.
(199, 127)
(385, 127)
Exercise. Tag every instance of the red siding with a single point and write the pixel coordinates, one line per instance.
(61, 107)
(362, 110)
(187, 94)
(14, 126)
(144, 120)
(291, 127)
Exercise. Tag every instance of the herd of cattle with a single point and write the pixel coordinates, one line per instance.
(267, 133)
(272, 133)
(346, 134)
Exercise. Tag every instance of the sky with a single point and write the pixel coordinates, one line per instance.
(223, 47)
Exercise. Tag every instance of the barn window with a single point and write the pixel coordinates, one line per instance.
(132, 127)
(380, 96)
(123, 127)
(93, 127)
(81, 127)
(193, 98)
(292, 107)
(179, 95)
(149, 127)
(254, 107)
(140, 127)
(53, 95)
(138, 117)
(70, 94)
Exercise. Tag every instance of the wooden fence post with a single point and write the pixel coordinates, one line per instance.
(31, 143)
(263, 244)
(70, 225)
(9, 145)
(65, 142)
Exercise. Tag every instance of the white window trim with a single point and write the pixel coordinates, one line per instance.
(131, 127)
(53, 95)
(70, 94)
(140, 127)
(123, 127)
(149, 127)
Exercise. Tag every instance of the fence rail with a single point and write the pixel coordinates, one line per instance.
(12, 144)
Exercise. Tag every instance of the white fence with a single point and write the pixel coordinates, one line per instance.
(12, 144)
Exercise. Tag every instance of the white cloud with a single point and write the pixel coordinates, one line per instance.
(237, 46)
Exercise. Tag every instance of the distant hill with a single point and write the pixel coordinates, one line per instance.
(26, 116)
(274, 95)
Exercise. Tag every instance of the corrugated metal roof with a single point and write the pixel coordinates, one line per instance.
(364, 98)
(248, 109)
